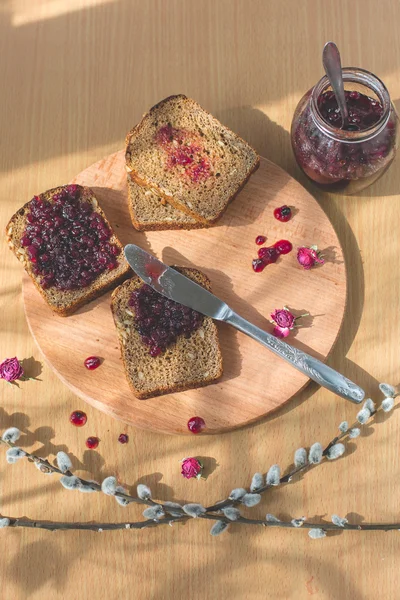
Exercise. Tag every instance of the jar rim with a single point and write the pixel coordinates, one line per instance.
(369, 80)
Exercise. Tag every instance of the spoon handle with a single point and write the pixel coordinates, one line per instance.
(333, 69)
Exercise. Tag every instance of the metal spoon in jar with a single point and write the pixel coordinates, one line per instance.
(333, 70)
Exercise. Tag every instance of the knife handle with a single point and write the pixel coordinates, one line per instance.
(310, 366)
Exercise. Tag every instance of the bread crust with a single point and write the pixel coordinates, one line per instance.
(96, 288)
(134, 282)
(135, 131)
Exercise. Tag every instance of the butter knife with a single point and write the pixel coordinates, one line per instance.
(175, 286)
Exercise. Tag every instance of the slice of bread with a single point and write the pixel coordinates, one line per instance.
(149, 212)
(189, 158)
(65, 302)
(188, 363)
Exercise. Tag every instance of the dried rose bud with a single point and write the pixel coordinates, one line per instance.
(284, 321)
(11, 369)
(308, 256)
(191, 467)
(282, 317)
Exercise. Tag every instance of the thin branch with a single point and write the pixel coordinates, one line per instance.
(92, 484)
(57, 525)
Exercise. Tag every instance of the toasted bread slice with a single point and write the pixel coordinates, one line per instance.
(149, 212)
(186, 156)
(188, 363)
(65, 302)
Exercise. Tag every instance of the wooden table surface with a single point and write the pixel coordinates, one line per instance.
(76, 75)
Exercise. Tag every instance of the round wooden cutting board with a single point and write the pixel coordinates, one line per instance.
(255, 381)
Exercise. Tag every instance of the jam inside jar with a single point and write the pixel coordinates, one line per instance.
(350, 159)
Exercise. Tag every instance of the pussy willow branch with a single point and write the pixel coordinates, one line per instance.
(93, 484)
(99, 527)
(207, 513)
(289, 476)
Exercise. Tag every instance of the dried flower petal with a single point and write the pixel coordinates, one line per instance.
(315, 453)
(218, 528)
(109, 486)
(387, 390)
(316, 533)
(194, 510)
(335, 451)
(143, 492)
(363, 415)
(273, 475)
(237, 494)
(343, 427)
(70, 483)
(272, 519)
(251, 499)
(355, 432)
(257, 482)
(153, 512)
(64, 462)
(231, 513)
(300, 457)
(11, 435)
(339, 521)
(387, 404)
(281, 332)
(4, 522)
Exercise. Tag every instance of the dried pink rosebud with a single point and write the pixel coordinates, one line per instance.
(282, 317)
(11, 369)
(191, 467)
(308, 256)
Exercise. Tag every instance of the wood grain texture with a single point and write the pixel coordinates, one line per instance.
(255, 381)
(76, 76)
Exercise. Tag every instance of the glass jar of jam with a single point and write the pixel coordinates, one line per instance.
(345, 160)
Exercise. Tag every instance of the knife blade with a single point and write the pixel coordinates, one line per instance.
(175, 286)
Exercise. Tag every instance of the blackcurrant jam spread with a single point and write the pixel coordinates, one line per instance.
(363, 110)
(67, 241)
(160, 321)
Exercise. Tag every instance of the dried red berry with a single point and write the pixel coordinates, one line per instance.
(260, 240)
(196, 424)
(123, 438)
(78, 418)
(283, 213)
(92, 442)
(92, 362)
